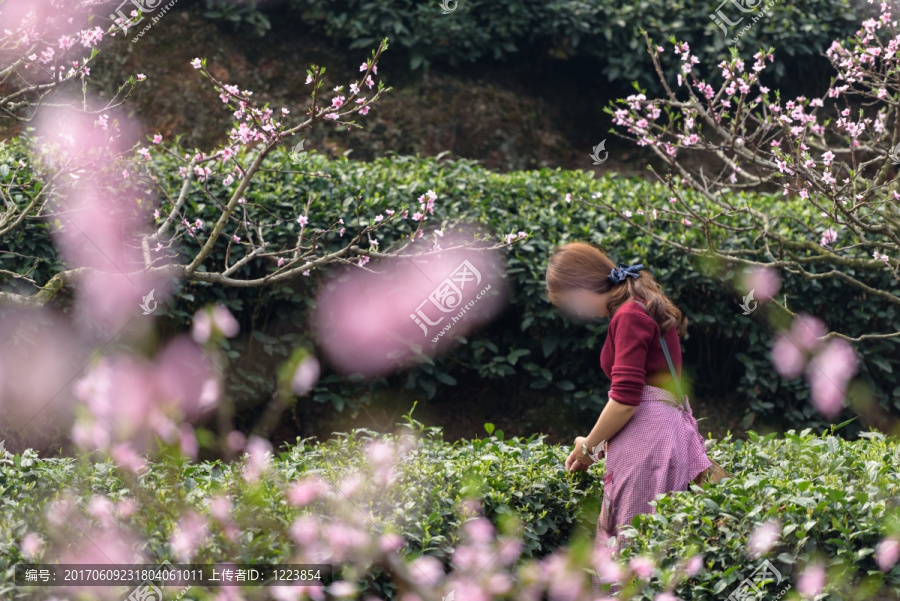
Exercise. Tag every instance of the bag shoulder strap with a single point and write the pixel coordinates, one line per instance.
(665, 349)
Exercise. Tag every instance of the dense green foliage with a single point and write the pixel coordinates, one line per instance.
(604, 32)
(832, 497)
(532, 345)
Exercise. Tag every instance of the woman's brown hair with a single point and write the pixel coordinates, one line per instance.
(582, 265)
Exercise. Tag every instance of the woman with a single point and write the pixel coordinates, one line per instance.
(651, 443)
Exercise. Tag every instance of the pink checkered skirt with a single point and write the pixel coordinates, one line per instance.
(659, 450)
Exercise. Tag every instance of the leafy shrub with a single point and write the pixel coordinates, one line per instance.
(532, 344)
(605, 32)
(831, 496)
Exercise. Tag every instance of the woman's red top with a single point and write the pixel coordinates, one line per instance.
(632, 355)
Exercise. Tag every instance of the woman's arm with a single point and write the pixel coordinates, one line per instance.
(613, 417)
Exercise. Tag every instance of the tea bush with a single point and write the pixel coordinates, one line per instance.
(604, 33)
(832, 497)
(726, 354)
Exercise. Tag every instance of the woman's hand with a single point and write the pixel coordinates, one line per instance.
(577, 461)
(574, 465)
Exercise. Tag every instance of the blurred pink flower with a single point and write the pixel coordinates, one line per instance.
(304, 530)
(787, 359)
(828, 373)
(101, 509)
(125, 508)
(498, 584)
(806, 330)
(479, 530)
(188, 441)
(127, 458)
(764, 281)
(510, 550)
(305, 491)
(642, 567)
(32, 545)
(260, 458)
(186, 379)
(189, 536)
(134, 400)
(94, 227)
(216, 319)
(397, 308)
(390, 542)
(220, 508)
(694, 566)
(101, 546)
(790, 349)
(225, 321)
(764, 538)
(608, 570)
(201, 330)
(380, 453)
(811, 580)
(305, 376)
(235, 440)
(426, 570)
(886, 553)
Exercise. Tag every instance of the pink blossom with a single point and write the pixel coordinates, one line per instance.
(305, 491)
(765, 283)
(764, 538)
(390, 542)
(225, 321)
(32, 544)
(189, 536)
(806, 330)
(642, 567)
(305, 376)
(886, 553)
(188, 442)
(695, 564)
(220, 508)
(828, 237)
(260, 458)
(235, 440)
(828, 374)
(304, 530)
(811, 580)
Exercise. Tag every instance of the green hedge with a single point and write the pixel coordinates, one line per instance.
(831, 496)
(604, 32)
(531, 345)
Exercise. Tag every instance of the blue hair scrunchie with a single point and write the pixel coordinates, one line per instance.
(620, 273)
